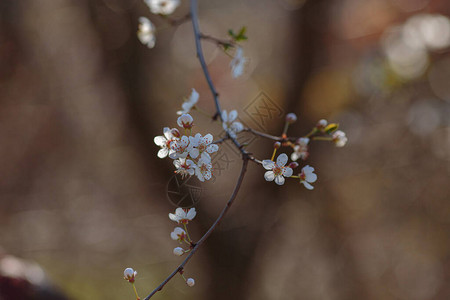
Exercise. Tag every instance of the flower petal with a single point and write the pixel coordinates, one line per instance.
(287, 172)
(311, 177)
(269, 176)
(163, 152)
(180, 213)
(199, 175)
(279, 180)
(212, 148)
(173, 217)
(193, 98)
(191, 214)
(307, 185)
(232, 116)
(207, 175)
(224, 116)
(160, 140)
(237, 126)
(206, 158)
(194, 153)
(207, 139)
(173, 236)
(268, 164)
(282, 159)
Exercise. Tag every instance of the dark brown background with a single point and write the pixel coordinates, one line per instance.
(84, 195)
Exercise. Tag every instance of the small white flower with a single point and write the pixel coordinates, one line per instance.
(178, 251)
(202, 145)
(162, 7)
(322, 124)
(146, 32)
(203, 171)
(278, 170)
(339, 138)
(129, 274)
(184, 167)
(307, 176)
(190, 282)
(178, 234)
(183, 216)
(165, 142)
(300, 149)
(189, 103)
(180, 148)
(229, 124)
(185, 121)
(238, 63)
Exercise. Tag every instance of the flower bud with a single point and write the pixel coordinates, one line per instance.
(302, 141)
(291, 118)
(293, 165)
(129, 274)
(178, 251)
(322, 123)
(186, 121)
(339, 138)
(277, 145)
(190, 282)
(175, 132)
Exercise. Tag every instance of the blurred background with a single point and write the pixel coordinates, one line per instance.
(83, 194)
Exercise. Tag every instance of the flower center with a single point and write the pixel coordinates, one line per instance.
(277, 170)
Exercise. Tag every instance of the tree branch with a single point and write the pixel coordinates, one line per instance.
(230, 201)
(246, 157)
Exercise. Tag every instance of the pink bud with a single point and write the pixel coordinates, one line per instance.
(293, 165)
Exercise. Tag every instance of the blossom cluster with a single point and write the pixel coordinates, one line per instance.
(279, 170)
(191, 153)
(182, 217)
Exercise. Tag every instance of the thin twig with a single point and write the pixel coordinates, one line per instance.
(175, 22)
(230, 201)
(201, 58)
(246, 157)
(220, 42)
(264, 135)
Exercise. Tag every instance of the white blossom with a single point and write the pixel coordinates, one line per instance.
(203, 171)
(202, 145)
(230, 124)
(178, 234)
(189, 103)
(162, 7)
(184, 167)
(178, 251)
(307, 176)
(146, 32)
(300, 149)
(277, 171)
(129, 274)
(180, 148)
(238, 63)
(183, 216)
(165, 141)
(339, 138)
(190, 282)
(185, 121)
